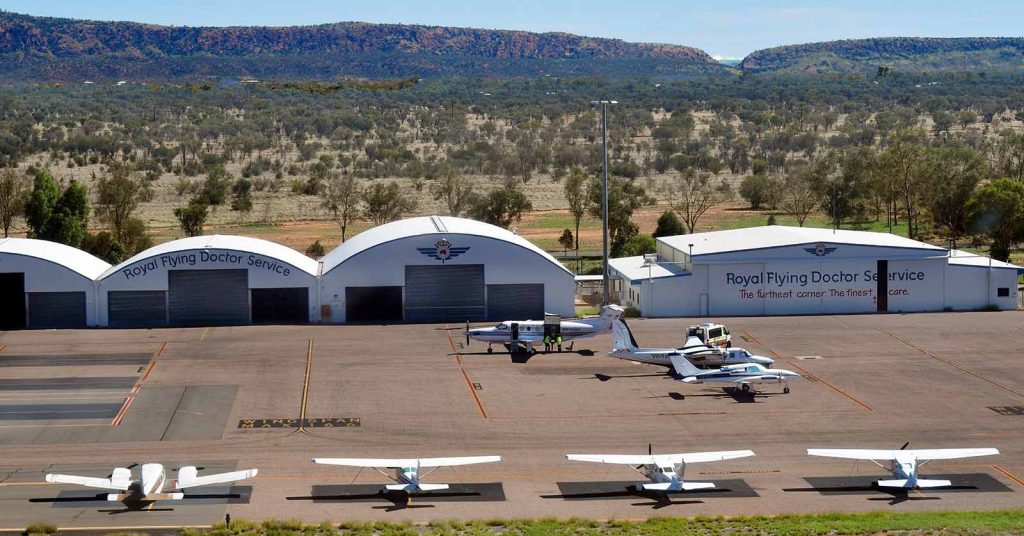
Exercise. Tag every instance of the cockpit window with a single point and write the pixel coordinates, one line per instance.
(502, 326)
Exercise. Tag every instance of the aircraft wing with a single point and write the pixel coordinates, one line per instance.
(89, 482)
(464, 460)
(699, 457)
(922, 454)
(627, 459)
(368, 462)
(187, 477)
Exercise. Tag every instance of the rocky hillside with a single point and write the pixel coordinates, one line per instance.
(53, 49)
(901, 54)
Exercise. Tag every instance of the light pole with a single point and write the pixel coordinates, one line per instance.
(604, 191)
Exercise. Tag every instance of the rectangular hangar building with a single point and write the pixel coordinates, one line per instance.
(442, 269)
(779, 270)
(210, 280)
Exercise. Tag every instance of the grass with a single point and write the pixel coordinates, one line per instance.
(935, 523)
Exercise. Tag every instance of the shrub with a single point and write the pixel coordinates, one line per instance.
(40, 528)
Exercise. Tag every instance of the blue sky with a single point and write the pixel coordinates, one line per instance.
(722, 29)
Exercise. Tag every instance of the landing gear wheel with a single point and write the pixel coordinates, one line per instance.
(490, 350)
(786, 390)
(745, 388)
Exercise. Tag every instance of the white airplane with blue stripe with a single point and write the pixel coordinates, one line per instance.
(664, 472)
(407, 475)
(150, 486)
(743, 376)
(905, 463)
(694, 350)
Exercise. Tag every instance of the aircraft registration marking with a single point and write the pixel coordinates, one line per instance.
(316, 422)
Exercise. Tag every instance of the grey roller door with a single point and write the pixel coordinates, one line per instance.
(137, 308)
(515, 302)
(446, 293)
(56, 309)
(208, 297)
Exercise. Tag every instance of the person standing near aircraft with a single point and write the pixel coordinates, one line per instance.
(559, 341)
(547, 344)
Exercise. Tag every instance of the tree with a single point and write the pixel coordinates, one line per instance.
(386, 202)
(756, 189)
(453, 189)
(70, 217)
(566, 240)
(241, 195)
(118, 196)
(576, 194)
(904, 162)
(105, 246)
(215, 188)
(318, 174)
(316, 250)
(640, 244)
(41, 203)
(799, 199)
(953, 175)
(692, 196)
(624, 198)
(669, 225)
(13, 196)
(341, 197)
(502, 206)
(192, 218)
(997, 210)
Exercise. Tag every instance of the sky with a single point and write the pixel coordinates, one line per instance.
(723, 29)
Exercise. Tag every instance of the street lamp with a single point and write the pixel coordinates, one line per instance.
(604, 189)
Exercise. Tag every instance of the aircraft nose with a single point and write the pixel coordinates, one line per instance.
(762, 360)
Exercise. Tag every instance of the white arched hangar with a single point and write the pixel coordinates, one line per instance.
(47, 285)
(210, 280)
(442, 269)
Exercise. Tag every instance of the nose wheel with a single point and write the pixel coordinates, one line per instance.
(785, 390)
(489, 349)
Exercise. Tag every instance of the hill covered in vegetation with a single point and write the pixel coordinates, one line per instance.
(903, 54)
(57, 49)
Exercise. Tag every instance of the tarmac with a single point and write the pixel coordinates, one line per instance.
(272, 397)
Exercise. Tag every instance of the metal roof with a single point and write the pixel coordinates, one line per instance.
(71, 258)
(772, 236)
(966, 258)
(634, 268)
(244, 244)
(427, 225)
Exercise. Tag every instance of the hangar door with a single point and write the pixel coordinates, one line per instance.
(12, 301)
(208, 297)
(445, 293)
(137, 308)
(280, 305)
(373, 304)
(56, 309)
(515, 302)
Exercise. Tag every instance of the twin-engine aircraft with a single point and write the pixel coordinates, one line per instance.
(407, 470)
(744, 376)
(150, 487)
(664, 472)
(513, 333)
(905, 463)
(694, 350)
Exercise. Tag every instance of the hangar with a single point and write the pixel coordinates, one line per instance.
(210, 280)
(47, 285)
(442, 269)
(778, 270)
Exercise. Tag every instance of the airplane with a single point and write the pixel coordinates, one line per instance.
(663, 471)
(905, 463)
(150, 487)
(696, 351)
(530, 332)
(407, 470)
(746, 376)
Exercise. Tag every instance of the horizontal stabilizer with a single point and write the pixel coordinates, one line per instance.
(399, 487)
(657, 486)
(922, 483)
(432, 487)
(683, 367)
(690, 486)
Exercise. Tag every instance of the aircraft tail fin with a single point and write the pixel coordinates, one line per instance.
(683, 367)
(622, 336)
(609, 314)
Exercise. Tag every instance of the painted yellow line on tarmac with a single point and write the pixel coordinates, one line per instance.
(1009, 475)
(833, 387)
(202, 337)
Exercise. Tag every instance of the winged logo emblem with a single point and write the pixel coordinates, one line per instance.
(443, 250)
(820, 249)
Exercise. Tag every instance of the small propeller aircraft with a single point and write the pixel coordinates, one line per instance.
(694, 350)
(407, 475)
(663, 471)
(150, 487)
(513, 333)
(905, 463)
(745, 376)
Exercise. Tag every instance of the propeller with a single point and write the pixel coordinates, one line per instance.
(650, 448)
(467, 334)
(905, 445)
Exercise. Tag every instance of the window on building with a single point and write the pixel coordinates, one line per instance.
(1003, 292)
